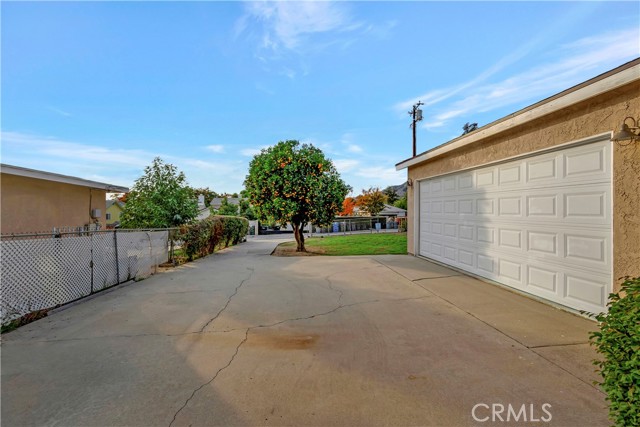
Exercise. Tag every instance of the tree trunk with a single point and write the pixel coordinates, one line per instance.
(301, 232)
(298, 233)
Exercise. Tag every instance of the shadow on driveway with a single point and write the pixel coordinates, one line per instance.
(243, 338)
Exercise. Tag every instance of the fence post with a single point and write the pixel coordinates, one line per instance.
(91, 262)
(115, 245)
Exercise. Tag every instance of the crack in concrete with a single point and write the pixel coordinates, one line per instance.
(532, 349)
(246, 336)
(436, 277)
(228, 300)
(558, 345)
(325, 313)
(330, 283)
(223, 331)
(244, 340)
(249, 329)
(409, 279)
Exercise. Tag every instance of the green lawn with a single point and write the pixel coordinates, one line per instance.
(356, 244)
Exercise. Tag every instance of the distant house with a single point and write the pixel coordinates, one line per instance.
(217, 202)
(388, 211)
(113, 211)
(38, 201)
(393, 212)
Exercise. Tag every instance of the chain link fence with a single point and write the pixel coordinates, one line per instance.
(42, 271)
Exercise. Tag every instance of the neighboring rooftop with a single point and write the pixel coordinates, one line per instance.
(49, 176)
(217, 201)
(118, 202)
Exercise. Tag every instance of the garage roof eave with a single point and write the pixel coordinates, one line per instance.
(620, 76)
(49, 176)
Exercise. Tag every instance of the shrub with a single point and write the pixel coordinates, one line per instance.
(201, 238)
(234, 229)
(618, 340)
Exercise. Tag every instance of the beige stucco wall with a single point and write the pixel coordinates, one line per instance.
(598, 115)
(35, 205)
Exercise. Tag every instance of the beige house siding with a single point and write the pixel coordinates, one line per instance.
(600, 114)
(36, 205)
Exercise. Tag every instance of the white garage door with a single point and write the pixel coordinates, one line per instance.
(540, 224)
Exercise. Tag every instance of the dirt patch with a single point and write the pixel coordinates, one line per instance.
(282, 250)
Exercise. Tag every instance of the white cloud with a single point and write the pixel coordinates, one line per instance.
(354, 148)
(575, 63)
(286, 24)
(286, 32)
(112, 165)
(216, 148)
(434, 124)
(347, 141)
(381, 173)
(59, 111)
(53, 147)
(345, 165)
(250, 152)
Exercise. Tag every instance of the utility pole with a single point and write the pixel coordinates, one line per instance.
(416, 116)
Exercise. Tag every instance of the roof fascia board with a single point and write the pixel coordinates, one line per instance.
(48, 176)
(599, 87)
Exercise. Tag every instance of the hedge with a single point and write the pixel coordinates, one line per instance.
(203, 237)
(618, 340)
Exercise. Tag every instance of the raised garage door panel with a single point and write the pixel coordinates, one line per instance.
(541, 224)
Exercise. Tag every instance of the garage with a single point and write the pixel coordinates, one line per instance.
(540, 222)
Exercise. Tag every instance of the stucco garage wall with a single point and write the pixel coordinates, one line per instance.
(601, 114)
(32, 205)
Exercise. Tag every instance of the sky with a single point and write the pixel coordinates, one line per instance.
(96, 90)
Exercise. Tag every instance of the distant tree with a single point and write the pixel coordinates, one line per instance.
(121, 197)
(391, 194)
(372, 201)
(347, 206)
(296, 184)
(401, 203)
(234, 195)
(208, 194)
(227, 208)
(469, 127)
(160, 198)
(245, 210)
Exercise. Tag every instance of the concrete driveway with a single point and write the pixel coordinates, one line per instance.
(244, 338)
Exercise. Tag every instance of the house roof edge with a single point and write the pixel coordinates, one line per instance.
(612, 79)
(50, 176)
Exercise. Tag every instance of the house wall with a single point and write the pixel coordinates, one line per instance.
(36, 205)
(597, 115)
(115, 210)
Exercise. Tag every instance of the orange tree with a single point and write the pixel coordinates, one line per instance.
(296, 184)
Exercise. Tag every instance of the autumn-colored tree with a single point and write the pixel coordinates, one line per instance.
(121, 197)
(372, 200)
(296, 184)
(347, 206)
